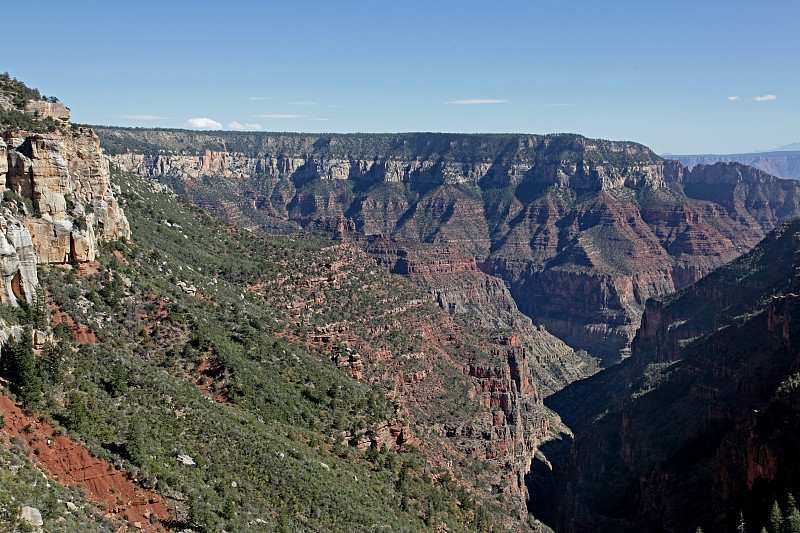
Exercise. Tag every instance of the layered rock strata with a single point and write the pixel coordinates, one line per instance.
(784, 164)
(523, 365)
(583, 231)
(58, 203)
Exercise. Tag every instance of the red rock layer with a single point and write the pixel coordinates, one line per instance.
(69, 463)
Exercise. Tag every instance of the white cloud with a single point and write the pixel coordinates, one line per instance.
(558, 105)
(305, 103)
(202, 123)
(734, 98)
(279, 116)
(246, 126)
(143, 117)
(765, 98)
(477, 101)
(261, 98)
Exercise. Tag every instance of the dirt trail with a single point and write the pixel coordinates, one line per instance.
(69, 463)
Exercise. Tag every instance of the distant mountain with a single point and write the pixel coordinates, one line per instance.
(783, 162)
(794, 147)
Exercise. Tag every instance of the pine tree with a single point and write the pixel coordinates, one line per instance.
(19, 365)
(775, 519)
(77, 413)
(52, 356)
(791, 524)
(791, 520)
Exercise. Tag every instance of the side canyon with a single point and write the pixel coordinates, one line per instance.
(581, 231)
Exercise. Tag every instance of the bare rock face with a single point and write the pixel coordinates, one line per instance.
(58, 201)
(17, 261)
(43, 108)
(68, 182)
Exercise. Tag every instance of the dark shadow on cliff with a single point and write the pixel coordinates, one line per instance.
(544, 468)
(580, 403)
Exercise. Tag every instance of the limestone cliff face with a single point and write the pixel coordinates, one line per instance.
(68, 181)
(58, 203)
(582, 231)
(17, 261)
(44, 108)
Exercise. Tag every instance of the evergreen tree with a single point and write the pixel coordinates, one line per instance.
(77, 413)
(775, 519)
(791, 524)
(791, 520)
(52, 356)
(19, 366)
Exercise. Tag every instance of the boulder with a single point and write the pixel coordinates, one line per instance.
(32, 516)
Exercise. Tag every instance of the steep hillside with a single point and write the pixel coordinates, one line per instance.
(583, 231)
(463, 394)
(191, 374)
(228, 401)
(699, 427)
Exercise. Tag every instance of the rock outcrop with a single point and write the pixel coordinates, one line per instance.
(58, 201)
(45, 108)
(523, 365)
(582, 231)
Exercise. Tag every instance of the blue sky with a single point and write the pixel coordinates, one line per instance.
(680, 77)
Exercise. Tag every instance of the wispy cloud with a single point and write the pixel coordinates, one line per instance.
(305, 103)
(765, 98)
(279, 116)
(261, 98)
(474, 101)
(203, 123)
(734, 98)
(143, 117)
(557, 105)
(246, 126)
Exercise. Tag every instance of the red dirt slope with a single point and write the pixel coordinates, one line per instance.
(69, 463)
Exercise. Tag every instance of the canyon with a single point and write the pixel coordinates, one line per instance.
(425, 330)
(696, 428)
(582, 239)
(581, 231)
(474, 381)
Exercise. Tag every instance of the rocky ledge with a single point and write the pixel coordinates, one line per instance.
(58, 203)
